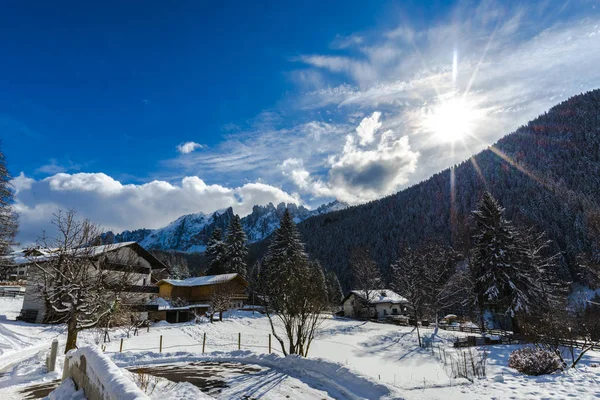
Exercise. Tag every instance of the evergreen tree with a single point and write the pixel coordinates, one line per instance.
(8, 217)
(283, 265)
(236, 248)
(215, 253)
(334, 288)
(504, 279)
(294, 289)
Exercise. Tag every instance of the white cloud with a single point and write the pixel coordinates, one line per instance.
(188, 147)
(117, 206)
(358, 174)
(363, 72)
(344, 42)
(367, 128)
(253, 154)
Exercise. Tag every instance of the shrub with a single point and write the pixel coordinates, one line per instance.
(534, 361)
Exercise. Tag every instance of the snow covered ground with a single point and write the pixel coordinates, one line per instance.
(348, 359)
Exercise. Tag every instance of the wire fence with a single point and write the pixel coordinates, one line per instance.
(202, 341)
(468, 363)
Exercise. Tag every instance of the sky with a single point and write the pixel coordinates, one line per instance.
(135, 113)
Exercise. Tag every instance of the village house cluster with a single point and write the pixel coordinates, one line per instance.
(159, 298)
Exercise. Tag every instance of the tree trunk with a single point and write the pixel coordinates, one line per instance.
(417, 325)
(71, 335)
(482, 320)
(515, 324)
(220, 316)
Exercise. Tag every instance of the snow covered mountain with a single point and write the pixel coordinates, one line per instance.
(190, 232)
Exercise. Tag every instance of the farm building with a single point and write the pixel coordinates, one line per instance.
(179, 299)
(119, 259)
(379, 304)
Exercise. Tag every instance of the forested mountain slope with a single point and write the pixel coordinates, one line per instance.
(546, 174)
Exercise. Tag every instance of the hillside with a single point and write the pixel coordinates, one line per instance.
(546, 174)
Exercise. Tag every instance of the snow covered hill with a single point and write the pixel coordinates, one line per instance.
(190, 232)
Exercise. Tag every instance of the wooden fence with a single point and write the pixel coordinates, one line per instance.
(469, 329)
(11, 293)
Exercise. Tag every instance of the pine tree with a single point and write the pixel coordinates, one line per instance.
(236, 248)
(504, 279)
(216, 254)
(283, 265)
(294, 289)
(8, 217)
(334, 289)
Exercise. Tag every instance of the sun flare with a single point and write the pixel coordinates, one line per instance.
(450, 120)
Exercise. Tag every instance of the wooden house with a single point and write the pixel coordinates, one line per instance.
(117, 259)
(380, 304)
(179, 299)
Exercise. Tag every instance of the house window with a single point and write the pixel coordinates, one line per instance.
(144, 284)
(21, 272)
(352, 303)
(394, 311)
(384, 312)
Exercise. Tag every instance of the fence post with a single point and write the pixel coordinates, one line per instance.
(240, 341)
(121, 347)
(269, 343)
(203, 342)
(53, 351)
(160, 345)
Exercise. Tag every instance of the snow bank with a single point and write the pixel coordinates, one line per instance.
(101, 373)
(10, 307)
(313, 371)
(67, 391)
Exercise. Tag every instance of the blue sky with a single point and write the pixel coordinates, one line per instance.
(90, 81)
(137, 112)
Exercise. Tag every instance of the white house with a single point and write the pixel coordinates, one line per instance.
(120, 257)
(380, 303)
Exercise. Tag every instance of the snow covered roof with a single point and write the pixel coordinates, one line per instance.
(379, 296)
(199, 280)
(28, 256)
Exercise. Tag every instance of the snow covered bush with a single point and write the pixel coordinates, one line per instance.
(533, 361)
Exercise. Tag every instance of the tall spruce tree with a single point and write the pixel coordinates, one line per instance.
(236, 248)
(294, 289)
(216, 253)
(504, 279)
(284, 263)
(334, 289)
(8, 217)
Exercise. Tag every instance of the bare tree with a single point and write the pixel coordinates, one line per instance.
(422, 275)
(366, 278)
(561, 331)
(8, 217)
(407, 280)
(78, 282)
(437, 265)
(220, 299)
(128, 319)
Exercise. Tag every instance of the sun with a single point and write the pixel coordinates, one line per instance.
(450, 120)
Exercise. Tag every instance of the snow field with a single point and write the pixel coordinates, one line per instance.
(386, 357)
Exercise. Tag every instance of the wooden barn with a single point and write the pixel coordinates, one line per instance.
(180, 299)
